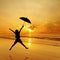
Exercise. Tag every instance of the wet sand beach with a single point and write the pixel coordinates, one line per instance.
(37, 50)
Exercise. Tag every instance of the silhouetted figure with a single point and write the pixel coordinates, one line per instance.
(17, 36)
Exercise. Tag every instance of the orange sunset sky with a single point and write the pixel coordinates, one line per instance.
(44, 15)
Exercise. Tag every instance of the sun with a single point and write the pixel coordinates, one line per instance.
(30, 30)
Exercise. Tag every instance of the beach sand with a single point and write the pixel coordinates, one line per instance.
(43, 50)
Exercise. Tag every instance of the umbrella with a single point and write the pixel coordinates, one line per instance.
(25, 19)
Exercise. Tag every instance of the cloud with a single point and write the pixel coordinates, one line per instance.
(52, 27)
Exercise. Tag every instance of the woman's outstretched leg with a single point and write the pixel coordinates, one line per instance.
(13, 45)
(23, 44)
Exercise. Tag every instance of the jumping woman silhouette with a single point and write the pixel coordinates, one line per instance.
(17, 36)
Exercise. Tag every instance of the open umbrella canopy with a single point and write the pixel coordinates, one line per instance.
(25, 19)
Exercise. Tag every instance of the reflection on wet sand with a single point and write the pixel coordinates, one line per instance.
(27, 55)
(10, 56)
(26, 58)
(29, 42)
